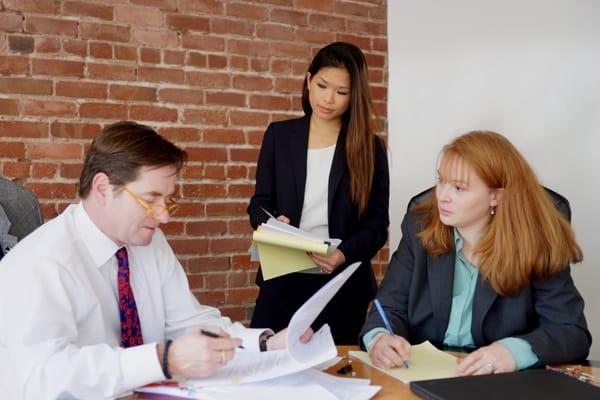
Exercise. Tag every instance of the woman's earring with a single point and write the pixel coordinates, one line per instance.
(493, 210)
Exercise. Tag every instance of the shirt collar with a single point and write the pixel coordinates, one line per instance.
(458, 241)
(100, 246)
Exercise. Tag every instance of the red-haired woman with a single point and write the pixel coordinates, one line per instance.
(483, 264)
(327, 173)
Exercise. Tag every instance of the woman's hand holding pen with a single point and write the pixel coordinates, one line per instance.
(196, 355)
(389, 351)
(330, 262)
(491, 359)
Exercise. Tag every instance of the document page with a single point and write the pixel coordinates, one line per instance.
(426, 362)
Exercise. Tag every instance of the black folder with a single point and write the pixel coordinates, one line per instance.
(530, 384)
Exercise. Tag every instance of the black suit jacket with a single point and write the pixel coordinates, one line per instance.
(280, 183)
(417, 296)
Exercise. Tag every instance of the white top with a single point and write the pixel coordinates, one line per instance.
(59, 315)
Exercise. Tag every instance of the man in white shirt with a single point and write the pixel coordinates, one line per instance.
(90, 301)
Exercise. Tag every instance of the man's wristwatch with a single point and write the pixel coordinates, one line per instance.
(263, 339)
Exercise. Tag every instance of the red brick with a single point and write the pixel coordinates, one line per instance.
(206, 264)
(348, 8)
(152, 113)
(223, 136)
(226, 99)
(226, 209)
(208, 79)
(241, 295)
(35, 6)
(53, 191)
(213, 298)
(379, 92)
(268, 102)
(202, 42)
(204, 190)
(68, 130)
(241, 227)
(238, 62)
(48, 108)
(191, 210)
(111, 72)
(57, 151)
(281, 66)
(182, 22)
(11, 22)
(78, 89)
(363, 42)
(229, 245)
(215, 280)
(56, 67)
(242, 261)
(184, 96)
(237, 279)
(237, 172)
(43, 170)
(109, 32)
(19, 44)
(179, 135)
(288, 85)
(138, 16)
(319, 5)
(123, 52)
(379, 44)
(255, 83)
(255, 137)
(231, 26)
(70, 171)
(130, 92)
(259, 64)
(51, 26)
(174, 57)
(241, 190)
(248, 47)
(328, 22)
(376, 76)
(13, 65)
(156, 38)
(291, 50)
(205, 6)
(13, 150)
(23, 129)
(189, 246)
(247, 11)
(9, 107)
(86, 9)
(103, 111)
(155, 74)
(173, 228)
(207, 154)
(201, 228)
(17, 170)
(379, 12)
(205, 116)
(215, 172)
(216, 61)
(197, 59)
(307, 35)
(275, 31)
(375, 60)
(248, 118)
(247, 155)
(368, 27)
(289, 17)
(47, 45)
(101, 50)
(168, 5)
(150, 55)
(75, 47)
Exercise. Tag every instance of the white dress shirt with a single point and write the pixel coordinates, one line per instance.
(59, 315)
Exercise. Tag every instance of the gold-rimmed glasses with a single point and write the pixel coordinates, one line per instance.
(155, 210)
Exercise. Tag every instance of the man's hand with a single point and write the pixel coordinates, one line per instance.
(195, 355)
(389, 351)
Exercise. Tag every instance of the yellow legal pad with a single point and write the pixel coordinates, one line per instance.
(426, 362)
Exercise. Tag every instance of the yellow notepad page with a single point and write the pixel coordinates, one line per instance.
(289, 241)
(277, 261)
(426, 362)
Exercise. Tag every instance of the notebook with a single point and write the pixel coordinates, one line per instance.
(531, 384)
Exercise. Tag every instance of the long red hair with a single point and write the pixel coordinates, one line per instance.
(527, 237)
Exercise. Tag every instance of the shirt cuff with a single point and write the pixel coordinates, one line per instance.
(369, 336)
(521, 351)
(140, 366)
(249, 336)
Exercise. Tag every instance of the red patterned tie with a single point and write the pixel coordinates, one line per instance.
(131, 330)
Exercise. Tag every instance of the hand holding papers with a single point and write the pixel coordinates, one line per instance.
(281, 248)
(426, 362)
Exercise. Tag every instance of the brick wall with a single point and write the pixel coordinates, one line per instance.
(210, 75)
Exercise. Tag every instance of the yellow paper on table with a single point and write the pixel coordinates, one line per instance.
(282, 254)
(426, 362)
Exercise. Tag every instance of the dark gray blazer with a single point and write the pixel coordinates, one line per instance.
(416, 294)
(21, 207)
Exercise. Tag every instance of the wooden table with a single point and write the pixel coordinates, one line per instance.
(390, 388)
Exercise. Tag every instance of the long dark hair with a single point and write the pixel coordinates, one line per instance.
(359, 120)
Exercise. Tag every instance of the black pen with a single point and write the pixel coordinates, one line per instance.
(214, 335)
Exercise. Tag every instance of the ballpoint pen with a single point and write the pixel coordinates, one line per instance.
(214, 335)
(388, 326)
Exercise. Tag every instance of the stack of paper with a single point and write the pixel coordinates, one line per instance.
(426, 362)
(281, 248)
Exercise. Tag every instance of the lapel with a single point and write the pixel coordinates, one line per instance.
(484, 297)
(440, 272)
(338, 167)
(298, 152)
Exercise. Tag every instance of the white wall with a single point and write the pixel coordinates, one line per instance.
(529, 69)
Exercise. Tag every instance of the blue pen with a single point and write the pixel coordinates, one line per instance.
(388, 326)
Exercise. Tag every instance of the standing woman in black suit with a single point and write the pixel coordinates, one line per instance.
(326, 173)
